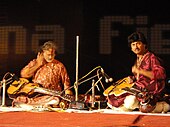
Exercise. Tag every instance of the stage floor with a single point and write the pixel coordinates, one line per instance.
(17, 117)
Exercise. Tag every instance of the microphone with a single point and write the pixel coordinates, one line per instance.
(107, 78)
(12, 77)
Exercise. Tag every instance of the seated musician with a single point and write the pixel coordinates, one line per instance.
(148, 77)
(49, 73)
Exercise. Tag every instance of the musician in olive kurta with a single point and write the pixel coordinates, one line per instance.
(49, 73)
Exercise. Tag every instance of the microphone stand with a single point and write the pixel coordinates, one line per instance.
(77, 54)
(3, 93)
(4, 82)
(93, 85)
(93, 94)
(79, 104)
(79, 83)
(93, 91)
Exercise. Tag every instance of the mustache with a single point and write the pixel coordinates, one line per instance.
(137, 49)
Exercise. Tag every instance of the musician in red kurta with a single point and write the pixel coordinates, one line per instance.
(49, 73)
(149, 78)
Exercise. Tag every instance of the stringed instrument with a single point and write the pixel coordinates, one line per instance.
(23, 86)
(118, 88)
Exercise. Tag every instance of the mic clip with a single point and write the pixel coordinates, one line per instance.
(107, 78)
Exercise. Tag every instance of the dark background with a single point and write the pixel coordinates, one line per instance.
(81, 17)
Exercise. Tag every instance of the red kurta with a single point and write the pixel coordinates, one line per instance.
(154, 86)
(52, 75)
(151, 63)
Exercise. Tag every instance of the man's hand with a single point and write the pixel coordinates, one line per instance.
(40, 59)
(135, 70)
(69, 92)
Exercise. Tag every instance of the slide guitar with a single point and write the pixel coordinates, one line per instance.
(23, 86)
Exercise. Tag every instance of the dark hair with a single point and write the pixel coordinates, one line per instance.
(136, 36)
(49, 44)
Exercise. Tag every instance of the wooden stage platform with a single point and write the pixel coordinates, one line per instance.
(80, 118)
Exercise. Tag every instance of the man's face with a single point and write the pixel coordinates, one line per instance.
(49, 55)
(138, 47)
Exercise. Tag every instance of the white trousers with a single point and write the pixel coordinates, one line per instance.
(131, 103)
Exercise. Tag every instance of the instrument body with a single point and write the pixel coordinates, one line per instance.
(118, 87)
(24, 87)
(117, 93)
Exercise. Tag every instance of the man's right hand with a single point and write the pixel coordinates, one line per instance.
(69, 92)
(129, 80)
(40, 59)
